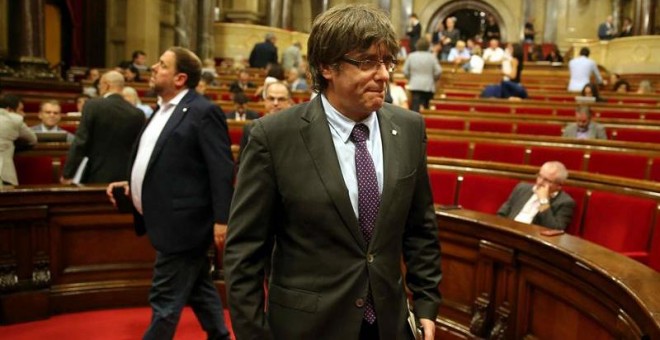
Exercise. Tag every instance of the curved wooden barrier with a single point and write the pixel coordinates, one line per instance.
(504, 280)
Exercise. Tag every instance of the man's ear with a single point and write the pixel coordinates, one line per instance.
(328, 71)
(180, 80)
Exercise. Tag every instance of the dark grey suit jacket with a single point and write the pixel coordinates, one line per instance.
(106, 134)
(559, 215)
(290, 191)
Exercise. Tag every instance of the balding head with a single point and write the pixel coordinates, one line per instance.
(111, 82)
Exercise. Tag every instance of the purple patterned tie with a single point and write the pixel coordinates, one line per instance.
(368, 198)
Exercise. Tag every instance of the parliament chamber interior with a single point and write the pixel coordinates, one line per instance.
(65, 249)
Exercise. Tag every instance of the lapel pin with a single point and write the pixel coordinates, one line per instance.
(185, 109)
(394, 132)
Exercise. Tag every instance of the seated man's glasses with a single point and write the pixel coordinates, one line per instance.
(368, 65)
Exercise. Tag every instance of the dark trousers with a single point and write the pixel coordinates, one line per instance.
(369, 331)
(420, 98)
(178, 280)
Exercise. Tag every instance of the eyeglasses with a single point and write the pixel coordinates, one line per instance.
(546, 179)
(371, 65)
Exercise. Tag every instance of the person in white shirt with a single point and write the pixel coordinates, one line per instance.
(494, 53)
(581, 69)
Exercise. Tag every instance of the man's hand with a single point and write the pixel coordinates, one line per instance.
(543, 191)
(66, 180)
(111, 186)
(219, 234)
(429, 328)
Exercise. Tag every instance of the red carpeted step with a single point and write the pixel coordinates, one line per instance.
(114, 324)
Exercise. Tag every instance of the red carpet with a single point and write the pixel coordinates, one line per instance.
(114, 324)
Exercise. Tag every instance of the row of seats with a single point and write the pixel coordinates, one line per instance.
(566, 97)
(641, 134)
(642, 166)
(540, 109)
(624, 223)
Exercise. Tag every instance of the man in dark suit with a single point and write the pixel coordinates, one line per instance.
(331, 195)
(108, 128)
(542, 203)
(241, 112)
(242, 84)
(181, 187)
(414, 31)
(264, 52)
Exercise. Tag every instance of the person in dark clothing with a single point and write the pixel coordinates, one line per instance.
(264, 52)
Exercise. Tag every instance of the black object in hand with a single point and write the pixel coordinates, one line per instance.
(124, 203)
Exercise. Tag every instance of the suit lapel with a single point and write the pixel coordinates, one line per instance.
(178, 114)
(521, 202)
(318, 140)
(389, 135)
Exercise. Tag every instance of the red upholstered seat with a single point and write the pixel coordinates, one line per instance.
(69, 127)
(443, 185)
(34, 169)
(618, 164)
(617, 114)
(545, 111)
(513, 154)
(448, 148)
(620, 222)
(484, 193)
(637, 135)
(68, 107)
(571, 158)
(452, 106)
(444, 124)
(579, 196)
(539, 129)
(654, 255)
(491, 126)
(235, 135)
(566, 112)
(654, 174)
(492, 109)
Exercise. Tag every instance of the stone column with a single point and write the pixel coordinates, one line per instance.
(244, 11)
(206, 41)
(26, 39)
(644, 17)
(143, 28)
(287, 11)
(275, 13)
(185, 31)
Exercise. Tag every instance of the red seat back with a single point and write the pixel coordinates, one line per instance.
(448, 148)
(654, 254)
(637, 135)
(513, 154)
(235, 135)
(571, 158)
(444, 124)
(579, 196)
(35, 170)
(620, 222)
(618, 164)
(443, 185)
(69, 127)
(484, 193)
(539, 129)
(545, 111)
(491, 126)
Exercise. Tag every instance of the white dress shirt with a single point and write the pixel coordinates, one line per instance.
(147, 144)
(341, 128)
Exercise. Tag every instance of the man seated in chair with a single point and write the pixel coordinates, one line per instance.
(50, 114)
(543, 203)
(584, 128)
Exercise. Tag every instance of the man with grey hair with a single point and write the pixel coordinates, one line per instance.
(331, 195)
(543, 203)
(584, 127)
(264, 52)
(108, 127)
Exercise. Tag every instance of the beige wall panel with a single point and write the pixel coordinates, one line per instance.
(626, 55)
(232, 40)
(579, 19)
(141, 23)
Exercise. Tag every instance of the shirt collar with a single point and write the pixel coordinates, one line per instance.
(174, 101)
(343, 125)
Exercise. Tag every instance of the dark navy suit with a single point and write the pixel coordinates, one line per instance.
(187, 187)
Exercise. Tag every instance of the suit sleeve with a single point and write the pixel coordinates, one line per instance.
(505, 209)
(421, 248)
(27, 135)
(216, 148)
(559, 215)
(601, 133)
(80, 145)
(249, 238)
